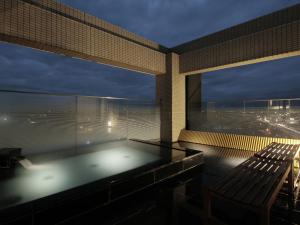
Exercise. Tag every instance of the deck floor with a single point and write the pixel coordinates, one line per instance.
(218, 162)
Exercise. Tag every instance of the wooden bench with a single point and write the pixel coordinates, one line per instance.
(283, 152)
(253, 185)
(279, 152)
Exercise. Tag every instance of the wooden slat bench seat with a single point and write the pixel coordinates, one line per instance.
(277, 151)
(284, 152)
(254, 185)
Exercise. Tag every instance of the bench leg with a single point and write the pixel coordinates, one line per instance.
(265, 217)
(207, 206)
(291, 187)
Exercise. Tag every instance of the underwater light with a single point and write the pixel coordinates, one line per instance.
(28, 165)
(109, 123)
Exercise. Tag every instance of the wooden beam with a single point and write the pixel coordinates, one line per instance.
(52, 26)
(270, 37)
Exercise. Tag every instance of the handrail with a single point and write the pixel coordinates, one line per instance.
(252, 100)
(70, 95)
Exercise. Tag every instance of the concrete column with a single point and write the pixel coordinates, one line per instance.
(193, 101)
(170, 94)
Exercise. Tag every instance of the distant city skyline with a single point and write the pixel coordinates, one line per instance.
(28, 69)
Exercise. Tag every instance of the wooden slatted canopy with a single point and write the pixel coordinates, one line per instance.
(235, 141)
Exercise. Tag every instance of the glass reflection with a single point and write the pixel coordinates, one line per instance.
(271, 118)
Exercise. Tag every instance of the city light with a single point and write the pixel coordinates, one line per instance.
(4, 118)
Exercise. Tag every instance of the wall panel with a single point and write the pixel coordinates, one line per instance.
(243, 142)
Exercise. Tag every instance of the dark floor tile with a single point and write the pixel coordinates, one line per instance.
(27, 220)
(13, 213)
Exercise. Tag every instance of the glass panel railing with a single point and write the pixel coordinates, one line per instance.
(101, 120)
(143, 120)
(271, 118)
(39, 122)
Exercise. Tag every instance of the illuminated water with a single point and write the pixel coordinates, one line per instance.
(47, 174)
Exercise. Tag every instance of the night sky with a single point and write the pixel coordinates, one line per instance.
(168, 22)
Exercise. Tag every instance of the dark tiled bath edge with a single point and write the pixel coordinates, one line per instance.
(62, 206)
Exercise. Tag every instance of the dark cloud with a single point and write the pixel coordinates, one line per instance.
(274, 79)
(28, 69)
(171, 22)
(168, 22)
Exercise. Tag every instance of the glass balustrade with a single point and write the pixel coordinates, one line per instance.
(40, 122)
(270, 118)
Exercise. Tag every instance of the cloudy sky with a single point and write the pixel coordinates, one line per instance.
(168, 22)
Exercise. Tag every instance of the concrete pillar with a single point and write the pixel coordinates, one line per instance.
(170, 94)
(193, 101)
